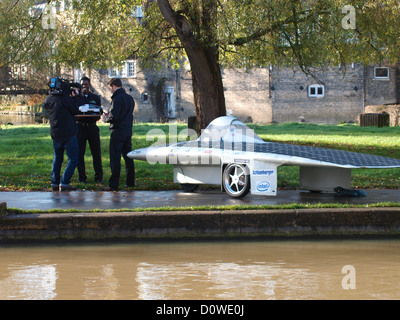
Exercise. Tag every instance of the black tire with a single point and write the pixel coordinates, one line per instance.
(188, 187)
(236, 180)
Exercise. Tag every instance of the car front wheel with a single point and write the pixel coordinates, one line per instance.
(236, 180)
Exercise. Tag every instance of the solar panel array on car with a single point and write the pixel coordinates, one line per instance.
(333, 156)
(327, 155)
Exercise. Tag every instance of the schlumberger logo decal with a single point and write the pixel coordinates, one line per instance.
(263, 172)
(263, 186)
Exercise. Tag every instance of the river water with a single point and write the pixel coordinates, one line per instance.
(245, 270)
(16, 119)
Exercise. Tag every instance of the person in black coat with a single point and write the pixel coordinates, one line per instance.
(61, 109)
(120, 117)
(88, 131)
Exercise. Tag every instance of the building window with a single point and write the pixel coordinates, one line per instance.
(139, 14)
(316, 90)
(19, 72)
(145, 97)
(126, 70)
(381, 73)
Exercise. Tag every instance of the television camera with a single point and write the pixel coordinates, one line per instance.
(62, 86)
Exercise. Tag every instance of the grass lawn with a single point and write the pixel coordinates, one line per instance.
(26, 154)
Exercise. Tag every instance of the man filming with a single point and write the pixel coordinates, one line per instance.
(61, 109)
(89, 131)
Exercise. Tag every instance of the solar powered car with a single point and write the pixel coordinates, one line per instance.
(230, 154)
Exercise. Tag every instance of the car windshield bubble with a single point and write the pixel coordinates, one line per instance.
(235, 132)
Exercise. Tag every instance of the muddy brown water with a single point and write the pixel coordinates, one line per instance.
(239, 270)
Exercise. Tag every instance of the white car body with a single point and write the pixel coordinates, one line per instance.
(230, 154)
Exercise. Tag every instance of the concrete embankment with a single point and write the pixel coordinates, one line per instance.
(3, 208)
(177, 225)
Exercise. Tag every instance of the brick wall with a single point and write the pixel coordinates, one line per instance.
(247, 94)
(262, 95)
(393, 110)
(151, 84)
(342, 100)
(380, 91)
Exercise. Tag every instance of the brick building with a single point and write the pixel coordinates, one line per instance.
(263, 95)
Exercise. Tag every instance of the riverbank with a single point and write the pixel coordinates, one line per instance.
(3, 209)
(202, 225)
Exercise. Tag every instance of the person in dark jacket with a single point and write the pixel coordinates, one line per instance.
(88, 131)
(61, 109)
(120, 117)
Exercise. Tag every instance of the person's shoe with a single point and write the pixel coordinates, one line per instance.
(55, 188)
(67, 188)
(83, 181)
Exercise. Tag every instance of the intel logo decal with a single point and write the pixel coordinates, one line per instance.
(263, 186)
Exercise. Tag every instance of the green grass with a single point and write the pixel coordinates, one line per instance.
(291, 206)
(26, 154)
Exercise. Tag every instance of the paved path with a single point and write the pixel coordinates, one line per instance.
(178, 225)
(86, 200)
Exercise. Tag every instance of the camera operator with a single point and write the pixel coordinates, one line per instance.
(89, 131)
(61, 108)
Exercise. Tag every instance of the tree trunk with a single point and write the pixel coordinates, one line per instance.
(208, 91)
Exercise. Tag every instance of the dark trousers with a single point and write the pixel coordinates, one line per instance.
(121, 144)
(70, 146)
(89, 133)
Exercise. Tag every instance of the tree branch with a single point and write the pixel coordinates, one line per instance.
(177, 21)
(257, 35)
(167, 12)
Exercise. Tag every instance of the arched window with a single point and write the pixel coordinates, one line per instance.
(145, 97)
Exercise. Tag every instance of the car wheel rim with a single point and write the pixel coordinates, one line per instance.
(236, 179)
